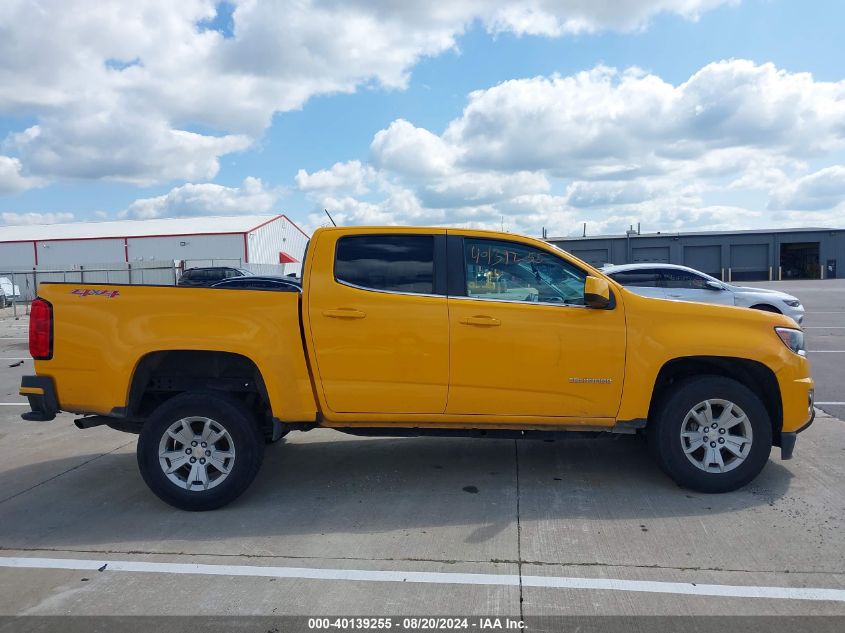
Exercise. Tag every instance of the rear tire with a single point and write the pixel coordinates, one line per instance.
(200, 450)
(711, 434)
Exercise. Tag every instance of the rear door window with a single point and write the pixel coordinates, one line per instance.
(391, 263)
(639, 278)
(684, 279)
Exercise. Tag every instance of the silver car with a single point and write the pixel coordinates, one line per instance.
(669, 281)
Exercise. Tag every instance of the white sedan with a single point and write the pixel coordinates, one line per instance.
(669, 281)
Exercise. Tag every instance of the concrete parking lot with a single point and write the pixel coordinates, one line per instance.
(343, 525)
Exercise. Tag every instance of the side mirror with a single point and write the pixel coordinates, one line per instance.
(596, 293)
(714, 285)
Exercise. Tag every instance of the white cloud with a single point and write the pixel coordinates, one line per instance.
(411, 151)
(603, 193)
(559, 17)
(133, 149)
(11, 178)
(205, 199)
(479, 188)
(140, 92)
(633, 121)
(823, 189)
(34, 218)
(400, 206)
(351, 176)
(615, 147)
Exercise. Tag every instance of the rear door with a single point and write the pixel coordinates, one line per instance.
(379, 321)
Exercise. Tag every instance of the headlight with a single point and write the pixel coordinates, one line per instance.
(793, 339)
(792, 303)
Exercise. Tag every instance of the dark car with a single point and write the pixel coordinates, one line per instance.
(209, 276)
(255, 282)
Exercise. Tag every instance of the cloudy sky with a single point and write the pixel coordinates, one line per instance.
(679, 114)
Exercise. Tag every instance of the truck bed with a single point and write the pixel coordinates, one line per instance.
(103, 331)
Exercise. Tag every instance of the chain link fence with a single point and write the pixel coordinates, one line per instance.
(18, 287)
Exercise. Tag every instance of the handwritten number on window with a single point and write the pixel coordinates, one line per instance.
(497, 257)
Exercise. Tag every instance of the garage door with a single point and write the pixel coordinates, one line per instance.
(596, 257)
(707, 259)
(749, 262)
(658, 254)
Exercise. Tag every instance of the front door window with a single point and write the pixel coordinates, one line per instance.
(508, 271)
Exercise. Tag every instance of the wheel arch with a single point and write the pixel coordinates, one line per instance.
(752, 374)
(162, 374)
(766, 307)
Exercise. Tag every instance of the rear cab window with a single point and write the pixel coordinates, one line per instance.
(387, 263)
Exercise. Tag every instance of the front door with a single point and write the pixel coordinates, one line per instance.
(379, 328)
(522, 341)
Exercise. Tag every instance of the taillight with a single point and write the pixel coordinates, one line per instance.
(41, 330)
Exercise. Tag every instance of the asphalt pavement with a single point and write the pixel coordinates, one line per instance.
(367, 526)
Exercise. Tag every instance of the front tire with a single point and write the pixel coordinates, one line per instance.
(711, 434)
(200, 450)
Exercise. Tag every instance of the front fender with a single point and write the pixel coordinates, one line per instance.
(661, 331)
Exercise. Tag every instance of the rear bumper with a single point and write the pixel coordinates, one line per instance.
(41, 393)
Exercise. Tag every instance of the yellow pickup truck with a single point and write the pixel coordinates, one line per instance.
(416, 331)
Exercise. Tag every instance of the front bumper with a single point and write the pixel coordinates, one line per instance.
(41, 393)
(788, 438)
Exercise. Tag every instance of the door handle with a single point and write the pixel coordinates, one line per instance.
(344, 313)
(481, 321)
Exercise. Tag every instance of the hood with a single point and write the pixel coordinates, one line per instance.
(709, 314)
(767, 291)
(762, 291)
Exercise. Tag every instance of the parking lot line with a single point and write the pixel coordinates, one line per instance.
(14, 338)
(826, 351)
(442, 578)
(829, 403)
(824, 327)
(14, 404)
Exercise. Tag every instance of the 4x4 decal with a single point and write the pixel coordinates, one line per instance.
(84, 292)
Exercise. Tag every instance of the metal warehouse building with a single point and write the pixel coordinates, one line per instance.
(243, 239)
(812, 253)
